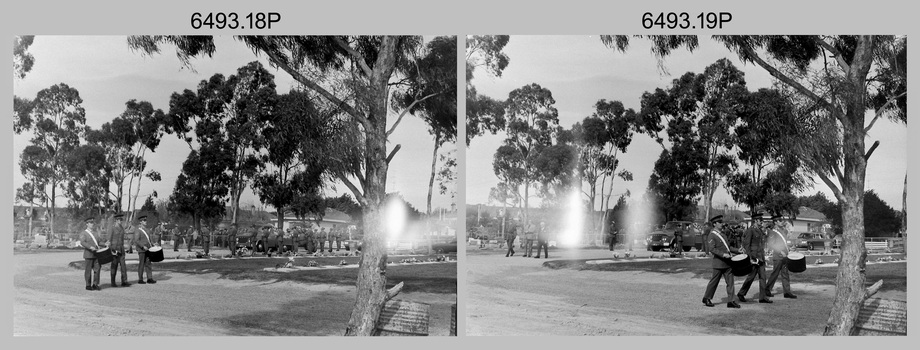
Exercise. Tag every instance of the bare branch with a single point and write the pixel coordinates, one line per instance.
(837, 55)
(359, 197)
(393, 153)
(354, 54)
(392, 292)
(830, 184)
(405, 111)
(880, 110)
(871, 149)
(874, 288)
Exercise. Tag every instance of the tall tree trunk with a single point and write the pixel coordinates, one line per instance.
(52, 211)
(372, 279)
(434, 162)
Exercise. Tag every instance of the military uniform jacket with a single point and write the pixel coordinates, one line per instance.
(89, 244)
(142, 239)
(529, 232)
(512, 233)
(231, 234)
(718, 248)
(754, 242)
(542, 233)
(776, 241)
(116, 238)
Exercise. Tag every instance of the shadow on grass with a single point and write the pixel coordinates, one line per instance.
(297, 318)
(427, 278)
(894, 274)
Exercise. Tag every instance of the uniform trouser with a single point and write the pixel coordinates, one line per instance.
(91, 271)
(144, 265)
(613, 242)
(528, 247)
(759, 272)
(207, 247)
(718, 274)
(119, 262)
(233, 247)
(545, 246)
(321, 244)
(338, 244)
(781, 270)
(510, 247)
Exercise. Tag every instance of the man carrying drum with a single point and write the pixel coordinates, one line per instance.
(753, 242)
(721, 256)
(116, 238)
(143, 242)
(90, 244)
(777, 242)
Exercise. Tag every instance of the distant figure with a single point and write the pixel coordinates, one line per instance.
(512, 235)
(231, 238)
(529, 236)
(542, 240)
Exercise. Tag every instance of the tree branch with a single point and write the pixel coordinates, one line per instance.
(401, 115)
(392, 292)
(880, 110)
(874, 288)
(357, 192)
(830, 184)
(837, 55)
(871, 149)
(791, 82)
(393, 153)
(355, 54)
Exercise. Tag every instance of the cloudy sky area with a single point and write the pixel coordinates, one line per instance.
(107, 74)
(580, 70)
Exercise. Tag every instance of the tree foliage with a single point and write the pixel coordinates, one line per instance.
(22, 59)
(483, 113)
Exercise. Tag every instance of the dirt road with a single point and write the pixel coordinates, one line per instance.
(517, 296)
(50, 299)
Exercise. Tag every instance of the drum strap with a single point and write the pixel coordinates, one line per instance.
(93, 237)
(783, 239)
(145, 235)
(721, 239)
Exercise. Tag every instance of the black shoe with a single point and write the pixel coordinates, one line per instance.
(151, 281)
(734, 305)
(96, 287)
(89, 287)
(114, 285)
(125, 284)
(141, 282)
(769, 294)
(512, 253)
(741, 298)
(766, 301)
(708, 302)
(536, 257)
(789, 296)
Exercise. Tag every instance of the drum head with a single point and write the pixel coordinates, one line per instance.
(739, 257)
(154, 249)
(796, 256)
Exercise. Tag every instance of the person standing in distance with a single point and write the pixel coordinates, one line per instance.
(512, 235)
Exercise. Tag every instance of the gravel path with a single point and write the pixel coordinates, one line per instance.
(50, 300)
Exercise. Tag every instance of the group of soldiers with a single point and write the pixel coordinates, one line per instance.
(756, 241)
(530, 235)
(121, 240)
(267, 239)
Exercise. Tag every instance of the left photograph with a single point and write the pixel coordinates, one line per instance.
(234, 186)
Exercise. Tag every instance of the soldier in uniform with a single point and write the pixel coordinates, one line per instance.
(90, 243)
(721, 256)
(512, 234)
(337, 234)
(321, 239)
(542, 240)
(116, 238)
(143, 241)
(754, 243)
(231, 238)
(776, 241)
(612, 232)
(529, 236)
(206, 240)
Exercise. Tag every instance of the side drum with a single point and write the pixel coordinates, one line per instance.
(795, 262)
(155, 254)
(104, 255)
(741, 265)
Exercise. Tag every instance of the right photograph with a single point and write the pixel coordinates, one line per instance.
(686, 185)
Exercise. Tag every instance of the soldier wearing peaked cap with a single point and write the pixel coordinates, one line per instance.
(754, 243)
(116, 238)
(143, 241)
(91, 241)
(721, 257)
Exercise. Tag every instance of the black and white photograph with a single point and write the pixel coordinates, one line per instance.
(684, 185)
(235, 185)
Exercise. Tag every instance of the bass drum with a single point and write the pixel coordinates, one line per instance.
(795, 262)
(155, 254)
(104, 256)
(741, 265)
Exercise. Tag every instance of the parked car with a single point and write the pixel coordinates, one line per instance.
(808, 240)
(444, 248)
(661, 239)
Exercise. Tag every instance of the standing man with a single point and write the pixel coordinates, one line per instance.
(721, 256)
(338, 240)
(206, 240)
(512, 234)
(177, 238)
(678, 245)
(231, 238)
(612, 232)
(754, 242)
(91, 265)
(116, 238)
(777, 242)
(323, 236)
(542, 241)
(529, 236)
(143, 242)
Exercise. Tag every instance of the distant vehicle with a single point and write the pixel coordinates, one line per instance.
(444, 248)
(661, 239)
(808, 240)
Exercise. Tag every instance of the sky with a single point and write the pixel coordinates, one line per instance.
(107, 74)
(580, 70)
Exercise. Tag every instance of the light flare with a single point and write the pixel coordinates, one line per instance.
(396, 215)
(574, 221)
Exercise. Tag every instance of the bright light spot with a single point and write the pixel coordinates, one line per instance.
(395, 214)
(574, 220)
